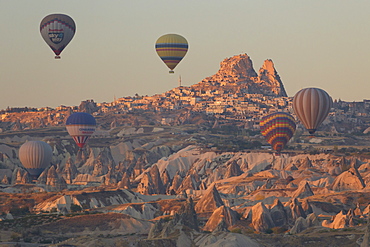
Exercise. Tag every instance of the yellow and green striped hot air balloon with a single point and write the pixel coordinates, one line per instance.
(171, 48)
(278, 128)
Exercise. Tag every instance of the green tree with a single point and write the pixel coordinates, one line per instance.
(75, 208)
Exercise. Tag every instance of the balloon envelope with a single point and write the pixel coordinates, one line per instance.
(35, 156)
(81, 126)
(171, 48)
(278, 128)
(57, 30)
(312, 106)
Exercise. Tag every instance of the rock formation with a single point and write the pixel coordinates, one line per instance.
(176, 183)
(340, 220)
(221, 216)
(20, 176)
(278, 213)
(302, 224)
(146, 185)
(158, 186)
(261, 217)
(348, 180)
(233, 170)
(295, 209)
(5, 180)
(53, 181)
(238, 70)
(303, 191)
(88, 106)
(185, 217)
(210, 201)
(125, 182)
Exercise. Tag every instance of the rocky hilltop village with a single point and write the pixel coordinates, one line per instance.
(238, 70)
(189, 168)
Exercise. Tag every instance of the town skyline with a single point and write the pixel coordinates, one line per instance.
(311, 44)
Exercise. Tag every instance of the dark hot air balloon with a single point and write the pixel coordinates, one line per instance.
(80, 126)
(35, 156)
(171, 48)
(278, 128)
(57, 30)
(312, 106)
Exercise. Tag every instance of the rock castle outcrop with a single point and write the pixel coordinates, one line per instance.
(238, 70)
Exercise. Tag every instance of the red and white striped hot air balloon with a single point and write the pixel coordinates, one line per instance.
(80, 126)
(57, 30)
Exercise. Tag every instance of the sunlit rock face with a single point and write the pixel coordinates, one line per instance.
(348, 180)
(261, 220)
(221, 213)
(238, 70)
(210, 201)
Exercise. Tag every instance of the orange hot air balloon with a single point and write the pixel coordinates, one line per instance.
(312, 106)
(278, 128)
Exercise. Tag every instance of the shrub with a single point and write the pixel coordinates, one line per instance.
(269, 231)
(236, 230)
(15, 237)
(278, 230)
(75, 208)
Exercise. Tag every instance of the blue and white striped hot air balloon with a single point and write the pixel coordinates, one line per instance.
(81, 126)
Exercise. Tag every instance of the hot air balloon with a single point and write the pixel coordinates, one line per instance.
(312, 106)
(35, 156)
(80, 126)
(171, 48)
(278, 128)
(57, 30)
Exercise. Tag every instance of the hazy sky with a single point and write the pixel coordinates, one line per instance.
(320, 43)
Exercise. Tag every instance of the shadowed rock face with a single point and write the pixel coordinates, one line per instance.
(302, 224)
(295, 210)
(185, 217)
(278, 214)
(157, 181)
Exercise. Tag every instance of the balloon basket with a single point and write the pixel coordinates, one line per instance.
(57, 57)
(171, 72)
